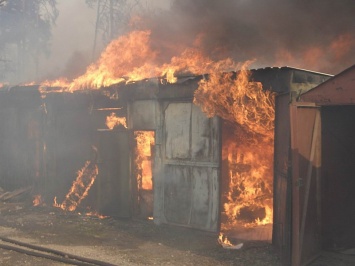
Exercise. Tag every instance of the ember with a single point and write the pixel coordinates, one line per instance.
(37, 201)
(96, 214)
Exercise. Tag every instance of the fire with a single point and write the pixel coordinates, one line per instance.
(249, 199)
(121, 57)
(247, 144)
(131, 58)
(37, 200)
(230, 95)
(225, 243)
(145, 141)
(238, 100)
(112, 121)
(80, 188)
(62, 82)
(96, 214)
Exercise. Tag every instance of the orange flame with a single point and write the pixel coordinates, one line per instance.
(62, 82)
(225, 243)
(237, 100)
(249, 147)
(96, 214)
(112, 121)
(37, 200)
(145, 140)
(80, 188)
(131, 58)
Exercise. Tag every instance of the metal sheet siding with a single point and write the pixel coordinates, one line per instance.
(177, 131)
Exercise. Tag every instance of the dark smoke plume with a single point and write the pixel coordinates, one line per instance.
(316, 35)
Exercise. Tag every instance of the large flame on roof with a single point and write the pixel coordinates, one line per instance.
(131, 58)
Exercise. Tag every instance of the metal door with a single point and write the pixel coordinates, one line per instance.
(190, 185)
(306, 162)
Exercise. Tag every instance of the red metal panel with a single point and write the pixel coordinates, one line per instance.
(338, 90)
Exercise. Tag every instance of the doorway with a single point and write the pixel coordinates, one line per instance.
(246, 183)
(338, 179)
(142, 173)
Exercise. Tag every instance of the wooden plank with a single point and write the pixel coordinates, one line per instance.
(9, 195)
(295, 258)
(305, 137)
(313, 152)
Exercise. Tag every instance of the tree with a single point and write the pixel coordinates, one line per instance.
(112, 17)
(25, 31)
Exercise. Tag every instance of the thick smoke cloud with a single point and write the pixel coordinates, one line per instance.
(317, 35)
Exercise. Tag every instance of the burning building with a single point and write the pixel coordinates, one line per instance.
(172, 152)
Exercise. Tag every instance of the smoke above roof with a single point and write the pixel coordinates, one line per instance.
(316, 35)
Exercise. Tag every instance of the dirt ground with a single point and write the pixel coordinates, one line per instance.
(118, 241)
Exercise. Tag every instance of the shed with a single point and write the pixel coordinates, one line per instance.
(189, 175)
(314, 167)
(183, 157)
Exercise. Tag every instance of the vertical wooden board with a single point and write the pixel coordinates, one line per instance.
(305, 135)
(177, 194)
(200, 135)
(177, 130)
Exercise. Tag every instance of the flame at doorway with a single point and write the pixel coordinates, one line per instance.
(247, 148)
(143, 169)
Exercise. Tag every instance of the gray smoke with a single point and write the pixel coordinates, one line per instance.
(316, 35)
